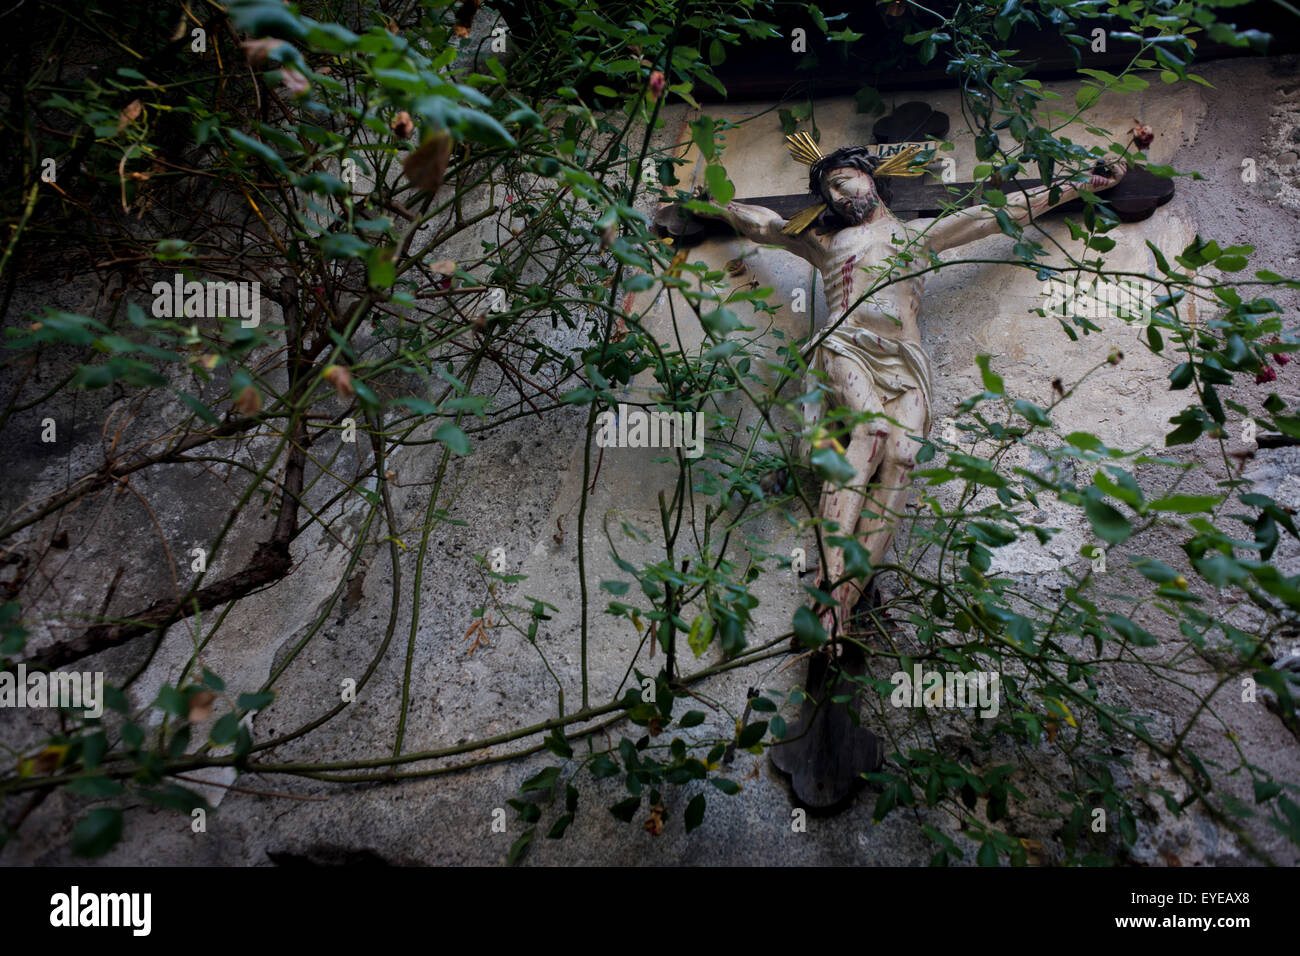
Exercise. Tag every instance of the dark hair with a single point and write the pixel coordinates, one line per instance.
(847, 157)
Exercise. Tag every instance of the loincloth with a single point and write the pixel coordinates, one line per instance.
(893, 366)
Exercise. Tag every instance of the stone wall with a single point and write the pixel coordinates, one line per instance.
(520, 490)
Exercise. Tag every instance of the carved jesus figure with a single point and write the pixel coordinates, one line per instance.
(873, 359)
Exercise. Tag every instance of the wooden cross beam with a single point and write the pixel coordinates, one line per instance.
(1135, 198)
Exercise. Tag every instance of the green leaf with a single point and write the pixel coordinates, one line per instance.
(557, 745)
(729, 787)
(1084, 440)
(719, 186)
(95, 787)
(381, 271)
(720, 321)
(807, 628)
(520, 845)
(267, 20)
(625, 810)
(171, 701)
(995, 536)
(255, 701)
(93, 749)
(259, 149)
(528, 812)
(418, 405)
(695, 812)
(692, 718)
(1181, 376)
(451, 436)
(992, 381)
(1035, 415)
(225, 729)
(1154, 570)
(14, 634)
(1185, 504)
(97, 832)
(1161, 262)
(175, 797)
(484, 129)
(604, 767)
(752, 734)
(322, 183)
(333, 37)
(1266, 790)
(1128, 629)
(884, 803)
(198, 408)
(343, 245)
(1122, 486)
(701, 635)
(702, 136)
(1221, 570)
(831, 466)
(1110, 525)
(1128, 828)
(543, 780)
(467, 403)
(172, 250)
(857, 559)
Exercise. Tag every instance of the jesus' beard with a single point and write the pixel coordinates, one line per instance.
(858, 210)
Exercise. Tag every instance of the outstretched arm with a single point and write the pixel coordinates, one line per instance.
(965, 226)
(764, 226)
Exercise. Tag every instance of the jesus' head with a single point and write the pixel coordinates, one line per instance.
(845, 181)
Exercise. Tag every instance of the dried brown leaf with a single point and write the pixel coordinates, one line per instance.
(201, 706)
(655, 824)
(341, 379)
(249, 401)
(426, 166)
(257, 51)
(294, 82)
(402, 125)
(129, 115)
(465, 16)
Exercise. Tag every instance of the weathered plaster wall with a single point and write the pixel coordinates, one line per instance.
(522, 486)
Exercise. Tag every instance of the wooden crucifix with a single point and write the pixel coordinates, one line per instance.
(870, 361)
(1135, 198)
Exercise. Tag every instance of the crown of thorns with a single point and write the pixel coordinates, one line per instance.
(846, 157)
